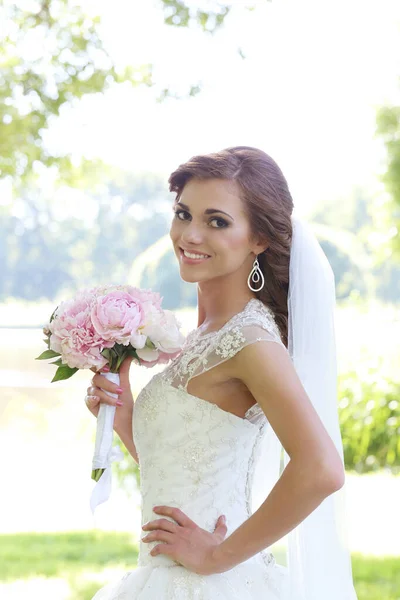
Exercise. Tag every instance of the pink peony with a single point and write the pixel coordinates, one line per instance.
(73, 335)
(116, 315)
(103, 316)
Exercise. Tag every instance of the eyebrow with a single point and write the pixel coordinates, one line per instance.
(208, 211)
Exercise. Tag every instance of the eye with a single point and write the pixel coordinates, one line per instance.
(178, 212)
(224, 223)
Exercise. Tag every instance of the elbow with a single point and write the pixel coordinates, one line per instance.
(331, 475)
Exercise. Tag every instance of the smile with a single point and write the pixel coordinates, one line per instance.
(192, 258)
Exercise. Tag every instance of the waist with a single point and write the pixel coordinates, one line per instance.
(204, 509)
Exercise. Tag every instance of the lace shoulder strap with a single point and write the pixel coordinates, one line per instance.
(201, 353)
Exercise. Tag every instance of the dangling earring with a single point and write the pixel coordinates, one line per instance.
(255, 275)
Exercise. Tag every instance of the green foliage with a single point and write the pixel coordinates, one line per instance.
(48, 252)
(369, 411)
(177, 13)
(55, 554)
(351, 232)
(376, 578)
(51, 55)
(75, 556)
(388, 128)
(64, 372)
(117, 354)
(48, 354)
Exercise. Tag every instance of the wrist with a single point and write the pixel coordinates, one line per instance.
(221, 559)
(123, 422)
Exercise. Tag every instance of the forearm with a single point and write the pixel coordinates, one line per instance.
(295, 495)
(124, 431)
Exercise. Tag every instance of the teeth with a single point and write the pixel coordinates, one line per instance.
(189, 255)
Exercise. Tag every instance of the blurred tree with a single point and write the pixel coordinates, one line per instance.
(51, 54)
(347, 229)
(53, 243)
(49, 248)
(388, 128)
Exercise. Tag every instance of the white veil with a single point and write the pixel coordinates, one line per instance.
(318, 557)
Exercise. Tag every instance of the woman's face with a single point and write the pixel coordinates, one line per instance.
(209, 220)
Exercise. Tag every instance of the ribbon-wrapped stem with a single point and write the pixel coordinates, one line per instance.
(104, 453)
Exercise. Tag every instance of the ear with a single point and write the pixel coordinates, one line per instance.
(259, 247)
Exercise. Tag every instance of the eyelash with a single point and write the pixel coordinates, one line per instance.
(177, 212)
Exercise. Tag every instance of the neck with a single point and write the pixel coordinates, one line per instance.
(216, 306)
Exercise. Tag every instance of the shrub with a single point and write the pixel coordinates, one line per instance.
(369, 413)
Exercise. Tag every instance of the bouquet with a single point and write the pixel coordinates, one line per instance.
(104, 325)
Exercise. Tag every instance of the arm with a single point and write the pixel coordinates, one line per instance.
(315, 468)
(124, 431)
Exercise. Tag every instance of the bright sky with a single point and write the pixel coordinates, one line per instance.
(306, 94)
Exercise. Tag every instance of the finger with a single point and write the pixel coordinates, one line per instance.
(106, 398)
(105, 384)
(168, 549)
(92, 401)
(159, 536)
(97, 370)
(92, 391)
(177, 514)
(161, 524)
(221, 528)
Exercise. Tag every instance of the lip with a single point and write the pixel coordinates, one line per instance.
(191, 261)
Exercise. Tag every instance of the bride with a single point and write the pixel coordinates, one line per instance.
(256, 377)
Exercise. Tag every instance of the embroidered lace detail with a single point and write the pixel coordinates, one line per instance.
(202, 352)
(230, 342)
(201, 459)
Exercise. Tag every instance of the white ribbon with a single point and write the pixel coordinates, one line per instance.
(104, 453)
(102, 490)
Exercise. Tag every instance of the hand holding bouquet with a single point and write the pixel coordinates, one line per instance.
(105, 325)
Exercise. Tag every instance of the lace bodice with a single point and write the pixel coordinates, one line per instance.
(193, 454)
(201, 352)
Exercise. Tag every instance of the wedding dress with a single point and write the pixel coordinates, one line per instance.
(200, 458)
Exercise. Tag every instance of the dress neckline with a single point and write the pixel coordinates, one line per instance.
(203, 336)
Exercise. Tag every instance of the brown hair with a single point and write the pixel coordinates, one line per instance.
(268, 205)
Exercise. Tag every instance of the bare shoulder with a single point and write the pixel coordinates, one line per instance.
(268, 372)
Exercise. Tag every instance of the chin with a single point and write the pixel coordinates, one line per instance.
(188, 279)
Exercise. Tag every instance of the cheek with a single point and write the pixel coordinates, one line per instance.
(174, 230)
(236, 241)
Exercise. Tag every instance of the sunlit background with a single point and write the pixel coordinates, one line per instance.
(99, 102)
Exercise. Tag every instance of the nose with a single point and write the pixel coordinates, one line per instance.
(192, 234)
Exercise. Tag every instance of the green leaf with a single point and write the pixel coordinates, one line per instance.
(120, 361)
(132, 352)
(64, 372)
(57, 362)
(119, 349)
(47, 354)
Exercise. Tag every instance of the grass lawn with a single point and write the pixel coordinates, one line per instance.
(82, 562)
